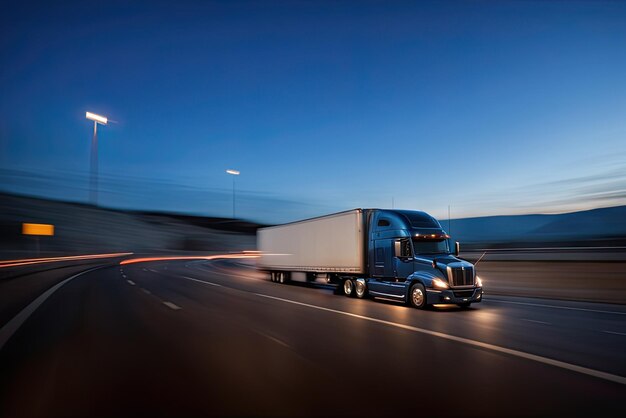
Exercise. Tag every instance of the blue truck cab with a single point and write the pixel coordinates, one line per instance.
(411, 258)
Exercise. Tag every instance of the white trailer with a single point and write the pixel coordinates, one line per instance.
(328, 244)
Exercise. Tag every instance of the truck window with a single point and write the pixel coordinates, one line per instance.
(431, 246)
(384, 222)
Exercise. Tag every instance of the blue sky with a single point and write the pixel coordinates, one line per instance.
(490, 107)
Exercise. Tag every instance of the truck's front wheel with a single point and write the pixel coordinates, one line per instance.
(417, 296)
(348, 287)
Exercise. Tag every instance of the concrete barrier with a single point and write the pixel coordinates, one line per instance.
(592, 281)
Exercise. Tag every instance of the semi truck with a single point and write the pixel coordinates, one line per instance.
(401, 255)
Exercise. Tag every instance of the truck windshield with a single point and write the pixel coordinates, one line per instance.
(431, 246)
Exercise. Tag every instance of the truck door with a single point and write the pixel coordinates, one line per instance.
(390, 266)
(385, 267)
(403, 259)
(379, 258)
(378, 263)
(382, 259)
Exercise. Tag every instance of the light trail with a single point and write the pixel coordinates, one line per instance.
(185, 257)
(28, 261)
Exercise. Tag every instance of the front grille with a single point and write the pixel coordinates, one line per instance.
(463, 294)
(462, 276)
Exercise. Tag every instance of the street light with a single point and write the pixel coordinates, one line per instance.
(93, 190)
(234, 173)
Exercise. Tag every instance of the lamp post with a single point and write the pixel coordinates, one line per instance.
(93, 181)
(233, 173)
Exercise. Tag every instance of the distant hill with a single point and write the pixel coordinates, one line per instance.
(605, 224)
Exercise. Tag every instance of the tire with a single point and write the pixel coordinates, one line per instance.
(360, 288)
(281, 278)
(417, 296)
(348, 287)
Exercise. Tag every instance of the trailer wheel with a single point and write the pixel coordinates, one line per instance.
(283, 277)
(417, 296)
(348, 287)
(272, 276)
(360, 288)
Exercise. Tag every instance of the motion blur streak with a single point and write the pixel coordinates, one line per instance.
(24, 262)
(206, 257)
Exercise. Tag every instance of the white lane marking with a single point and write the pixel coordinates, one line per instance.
(276, 340)
(144, 269)
(13, 325)
(171, 305)
(190, 278)
(123, 275)
(528, 356)
(130, 282)
(201, 281)
(614, 332)
(552, 306)
(538, 322)
(146, 291)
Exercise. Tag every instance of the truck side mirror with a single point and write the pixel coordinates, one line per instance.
(402, 248)
(457, 249)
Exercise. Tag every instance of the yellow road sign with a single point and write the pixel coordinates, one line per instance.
(37, 229)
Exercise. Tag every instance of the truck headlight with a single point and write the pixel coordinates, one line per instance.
(440, 284)
(479, 283)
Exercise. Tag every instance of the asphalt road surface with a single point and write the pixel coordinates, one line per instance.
(206, 338)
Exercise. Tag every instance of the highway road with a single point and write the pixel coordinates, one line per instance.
(215, 337)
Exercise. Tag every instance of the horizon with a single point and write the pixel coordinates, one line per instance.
(441, 220)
